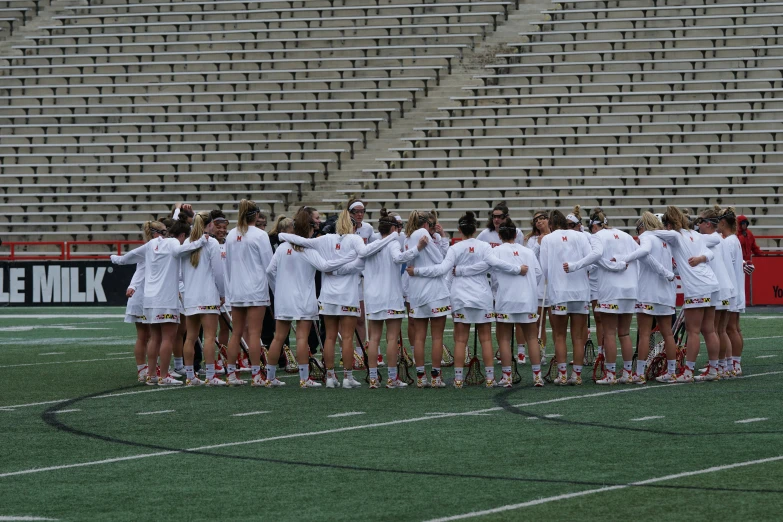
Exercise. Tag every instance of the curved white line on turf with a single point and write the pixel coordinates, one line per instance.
(567, 496)
(341, 430)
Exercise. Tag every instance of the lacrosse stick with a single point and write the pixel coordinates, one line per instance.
(317, 368)
(542, 346)
(589, 347)
(404, 363)
(242, 344)
(474, 377)
(515, 376)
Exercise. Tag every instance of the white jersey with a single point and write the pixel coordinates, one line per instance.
(615, 281)
(382, 278)
(225, 273)
(567, 246)
(291, 275)
(592, 270)
(470, 289)
(656, 279)
(696, 280)
(136, 301)
(423, 290)
(247, 256)
(204, 284)
(714, 242)
(493, 238)
(519, 295)
(161, 269)
(532, 244)
(366, 233)
(733, 249)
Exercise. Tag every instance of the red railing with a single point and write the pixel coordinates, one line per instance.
(62, 252)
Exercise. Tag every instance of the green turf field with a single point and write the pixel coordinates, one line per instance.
(83, 441)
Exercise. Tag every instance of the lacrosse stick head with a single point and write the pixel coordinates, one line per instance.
(598, 367)
(447, 360)
(551, 371)
(317, 370)
(474, 376)
(291, 365)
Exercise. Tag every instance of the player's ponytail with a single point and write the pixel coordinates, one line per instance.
(467, 224)
(345, 223)
(201, 220)
(248, 212)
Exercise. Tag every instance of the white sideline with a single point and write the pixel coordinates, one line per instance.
(567, 496)
(344, 429)
(25, 518)
(61, 316)
(65, 362)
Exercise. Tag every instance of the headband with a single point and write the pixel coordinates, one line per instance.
(572, 218)
(507, 228)
(398, 218)
(598, 222)
(220, 220)
(356, 204)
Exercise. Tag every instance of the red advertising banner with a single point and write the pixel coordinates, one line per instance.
(766, 282)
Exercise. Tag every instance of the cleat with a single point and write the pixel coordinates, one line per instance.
(665, 378)
(437, 382)
(505, 382)
(381, 363)
(575, 379)
(219, 369)
(243, 364)
(609, 378)
(258, 380)
(737, 369)
(234, 380)
(538, 381)
(490, 383)
(350, 382)
(521, 358)
(458, 384)
(396, 383)
(195, 381)
(561, 379)
(638, 379)
(626, 377)
(168, 380)
(214, 381)
(309, 383)
(374, 385)
(274, 383)
(421, 382)
(141, 375)
(684, 375)
(152, 380)
(710, 375)
(332, 382)
(177, 374)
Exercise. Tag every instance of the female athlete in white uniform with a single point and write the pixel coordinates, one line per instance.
(541, 228)
(248, 253)
(134, 311)
(161, 291)
(364, 230)
(728, 227)
(698, 282)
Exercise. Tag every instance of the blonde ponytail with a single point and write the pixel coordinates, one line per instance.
(196, 232)
(147, 227)
(247, 214)
(344, 223)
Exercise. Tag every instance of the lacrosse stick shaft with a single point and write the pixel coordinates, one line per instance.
(543, 311)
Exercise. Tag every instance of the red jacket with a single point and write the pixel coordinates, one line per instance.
(748, 241)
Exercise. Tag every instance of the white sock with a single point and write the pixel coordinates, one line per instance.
(271, 372)
(374, 373)
(562, 367)
(255, 370)
(671, 365)
(178, 363)
(714, 364)
(330, 374)
(392, 373)
(490, 373)
(210, 371)
(521, 349)
(140, 367)
(420, 371)
(536, 368)
(348, 374)
(722, 364)
(600, 349)
(627, 365)
(231, 368)
(690, 365)
(506, 371)
(737, 360)
(640, 366)
(612, 367)
(458, 374)
(578, 369)
(304, 372)
(189, 371)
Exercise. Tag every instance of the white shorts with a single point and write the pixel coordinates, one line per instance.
(501, 317)
(656, 309)
(617, 306)
(720, 304)
(703, 301)
(384, 315)
(571, 307)
(439, 308)
(339, 310)
(135, 318)
(249, 304)
(196, 310)
(734, 308)
(289, 318)
(542, 304)
(162, 315)
(473, 316)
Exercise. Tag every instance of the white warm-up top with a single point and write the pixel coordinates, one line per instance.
(137, 284)
(519, 295)
(161, 269)
(656, 279)
(382, 278)
(493, 238)
(714, 242)
(696, 280)
(733, 249)
(204, 284)
(423, 290)
(564, 246)
(468, 291)
(247, 257)
(615, 281)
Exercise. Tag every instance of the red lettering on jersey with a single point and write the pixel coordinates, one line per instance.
(337, 246)
(616, 236)
(516, 254)
(664, 245)
(470, 250)
(564, 238)
(365, 240)
(493, 245)
(239, 238)
(691, 238)
(156, 248)
(288, 253)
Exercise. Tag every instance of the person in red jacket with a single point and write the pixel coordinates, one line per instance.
(747, 240)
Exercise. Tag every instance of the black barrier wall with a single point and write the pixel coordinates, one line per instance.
(64, 283)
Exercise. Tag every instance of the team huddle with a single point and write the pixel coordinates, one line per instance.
(356, 280)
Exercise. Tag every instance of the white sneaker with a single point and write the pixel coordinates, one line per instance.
(219, 369)
(737, 369)
(490, 383)
(142, 374)
(178, 373)
(169, 381)
(626, 377)
(195, 381)
(233, 380)
(396, 383)
(609, 378)
(258, 380)
(309, 383)
(575, 379)
(505, 382)
(665, 378)
(349, 383)
(437, 382)
(422, 382)
(561, 379)
(458, 384)
(710, 375)
(538, 381)
(152, 380)
(686, 375)
(332, 382)
(638, 379)
(521, 358)
(214, 381)
(273, 383)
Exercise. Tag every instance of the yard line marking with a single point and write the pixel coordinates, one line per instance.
(651, 417)
(765, 356)
(757, 338)
(54, 353)
(61, 316)
(346, 414)
(65, 362)
(552, 416)
(250, 413)
(746, 421)
(337, 430)
(68, 411)
(119, 353)
(154, 412)
(576, 494)
(25, 518)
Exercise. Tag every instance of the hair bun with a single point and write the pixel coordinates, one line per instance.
(470, 215)
(384, 212)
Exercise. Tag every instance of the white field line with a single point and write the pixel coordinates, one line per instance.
(119, 353)
(552, 416)
(566, 496)
(765, 356)
(758, 338)
(346, 414)
(346, 429)
(250, 413)
(61, 316)
(53, 353)
(651, 417)
(65, 362)
(746, 421)
(25, 517)
(154, 412)
(68, 411)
